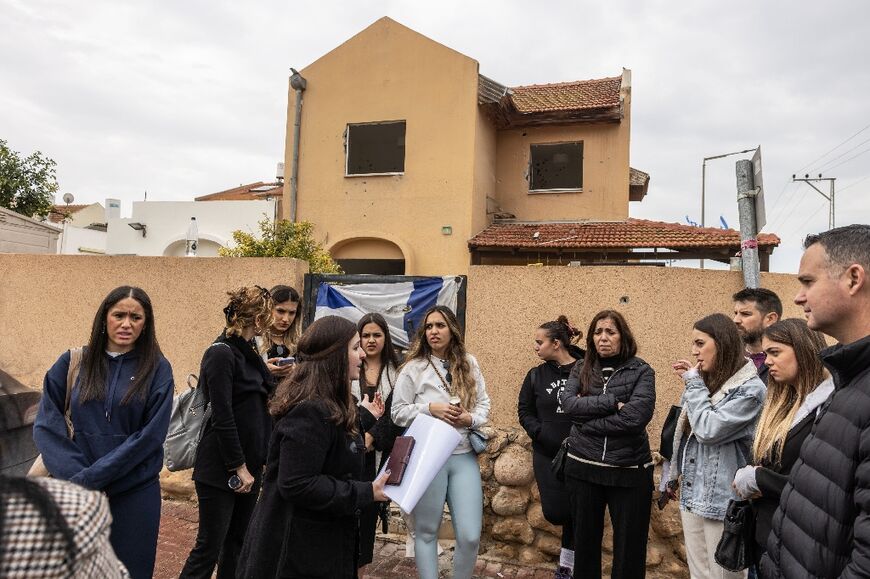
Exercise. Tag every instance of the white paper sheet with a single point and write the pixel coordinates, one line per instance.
(434, 442)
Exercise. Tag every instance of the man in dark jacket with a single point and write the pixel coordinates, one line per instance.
(754, 310)
(822, 525)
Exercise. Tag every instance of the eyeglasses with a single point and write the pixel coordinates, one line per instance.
(446, 366)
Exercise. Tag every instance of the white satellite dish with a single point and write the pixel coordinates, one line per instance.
(68, 198)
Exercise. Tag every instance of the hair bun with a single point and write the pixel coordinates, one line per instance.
(571, 329)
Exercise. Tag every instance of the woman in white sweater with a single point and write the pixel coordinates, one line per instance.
(440, 379)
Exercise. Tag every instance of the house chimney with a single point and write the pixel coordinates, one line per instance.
(113, 209)
(279, 172)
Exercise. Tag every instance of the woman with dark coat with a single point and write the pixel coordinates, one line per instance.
(797, 386)
(376, 381)
(230, 456)
(547, 425)
(611, 398)
(307, 521)
(120, 409)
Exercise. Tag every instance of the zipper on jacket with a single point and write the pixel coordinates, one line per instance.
(604, 391)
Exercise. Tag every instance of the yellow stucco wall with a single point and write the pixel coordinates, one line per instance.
(48, 302)
(507, 303)
(389, 72)
(605, 173)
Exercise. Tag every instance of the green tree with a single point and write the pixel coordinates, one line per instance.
(283, 238)
(27, 185)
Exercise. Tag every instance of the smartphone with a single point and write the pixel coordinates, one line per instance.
(285, 361)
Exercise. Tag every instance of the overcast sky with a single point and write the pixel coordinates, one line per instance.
(188, 98)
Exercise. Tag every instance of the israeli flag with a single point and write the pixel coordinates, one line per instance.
(402, 304)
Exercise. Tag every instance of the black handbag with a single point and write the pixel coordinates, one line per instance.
(736, 549)
(557, 465)
(669, 428)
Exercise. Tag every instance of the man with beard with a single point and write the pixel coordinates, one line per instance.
(754, 310)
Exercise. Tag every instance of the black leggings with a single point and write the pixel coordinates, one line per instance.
(555, 498)
(223, 520)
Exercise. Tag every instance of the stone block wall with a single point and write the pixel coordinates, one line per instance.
(514, 526)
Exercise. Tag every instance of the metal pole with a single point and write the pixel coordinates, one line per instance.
(703, 195)
(831, 216)
(298, 83)
(746, 209)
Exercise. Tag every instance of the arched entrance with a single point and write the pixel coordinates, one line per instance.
(369, 255)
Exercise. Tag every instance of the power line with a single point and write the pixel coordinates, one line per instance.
(832, 150)
(795, 205)
(855, 183)
(864, 152)
(805, 221)
(840, 156)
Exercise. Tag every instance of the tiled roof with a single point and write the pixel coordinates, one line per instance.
(631, 233)
(637, 177)
(251, 192)
(60, 212)
(567, 96)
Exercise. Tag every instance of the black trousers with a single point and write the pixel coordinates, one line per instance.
(555, 498)
(223, 520)
(629, 509)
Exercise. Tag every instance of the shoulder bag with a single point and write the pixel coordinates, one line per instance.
(190, 414)
(38, 467)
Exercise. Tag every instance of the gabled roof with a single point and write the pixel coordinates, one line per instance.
(250, 192)
(60, 212)
(631, 233)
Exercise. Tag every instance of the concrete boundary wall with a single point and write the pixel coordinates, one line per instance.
(507, 303)
(47, 303)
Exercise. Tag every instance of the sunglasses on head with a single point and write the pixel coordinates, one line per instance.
(446, 366)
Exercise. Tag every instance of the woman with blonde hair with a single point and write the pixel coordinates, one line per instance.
(797, 386)
(442, 380)
(232, 451)
(279, 341)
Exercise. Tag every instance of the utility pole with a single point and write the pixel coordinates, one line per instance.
(830, 196)
(704, 185)
(746, 193)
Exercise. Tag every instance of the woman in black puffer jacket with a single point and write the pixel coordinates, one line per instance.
(611, 399)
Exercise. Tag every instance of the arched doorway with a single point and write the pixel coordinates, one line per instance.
(369, 255)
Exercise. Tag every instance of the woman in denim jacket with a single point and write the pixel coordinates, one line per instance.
(713, 438)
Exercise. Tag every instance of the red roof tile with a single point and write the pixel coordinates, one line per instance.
(245, 192)
(60, 212)
(567, 96)
(634, 233)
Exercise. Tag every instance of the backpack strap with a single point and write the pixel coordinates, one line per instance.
(75, 363)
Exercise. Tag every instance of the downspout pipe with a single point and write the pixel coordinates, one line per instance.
(297, 83)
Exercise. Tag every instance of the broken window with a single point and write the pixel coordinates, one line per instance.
(556, 166)
(376, 148)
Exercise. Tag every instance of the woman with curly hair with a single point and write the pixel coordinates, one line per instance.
(231, 454)
(279, 341)
(442, 380)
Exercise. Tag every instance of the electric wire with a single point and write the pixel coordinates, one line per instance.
(832, 150)
(824, 166)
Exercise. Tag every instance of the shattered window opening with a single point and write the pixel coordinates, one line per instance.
(556, 166)
(375, 148)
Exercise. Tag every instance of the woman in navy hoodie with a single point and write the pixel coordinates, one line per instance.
(542, 417)
(120, 409)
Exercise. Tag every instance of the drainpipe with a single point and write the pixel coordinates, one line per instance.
(297, 83)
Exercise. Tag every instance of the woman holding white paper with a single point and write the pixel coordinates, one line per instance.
(442, 380)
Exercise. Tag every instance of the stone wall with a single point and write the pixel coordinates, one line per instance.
(515, 528)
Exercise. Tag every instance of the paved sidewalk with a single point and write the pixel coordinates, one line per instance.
(178, 531)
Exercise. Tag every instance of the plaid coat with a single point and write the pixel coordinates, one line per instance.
(31, 552)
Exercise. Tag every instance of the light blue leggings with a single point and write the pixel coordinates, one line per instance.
(459, 483)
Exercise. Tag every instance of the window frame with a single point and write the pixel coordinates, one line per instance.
(347, 145)
(557, 189)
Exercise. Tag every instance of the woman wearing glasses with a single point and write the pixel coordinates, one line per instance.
(442, 380)
(232, 452)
